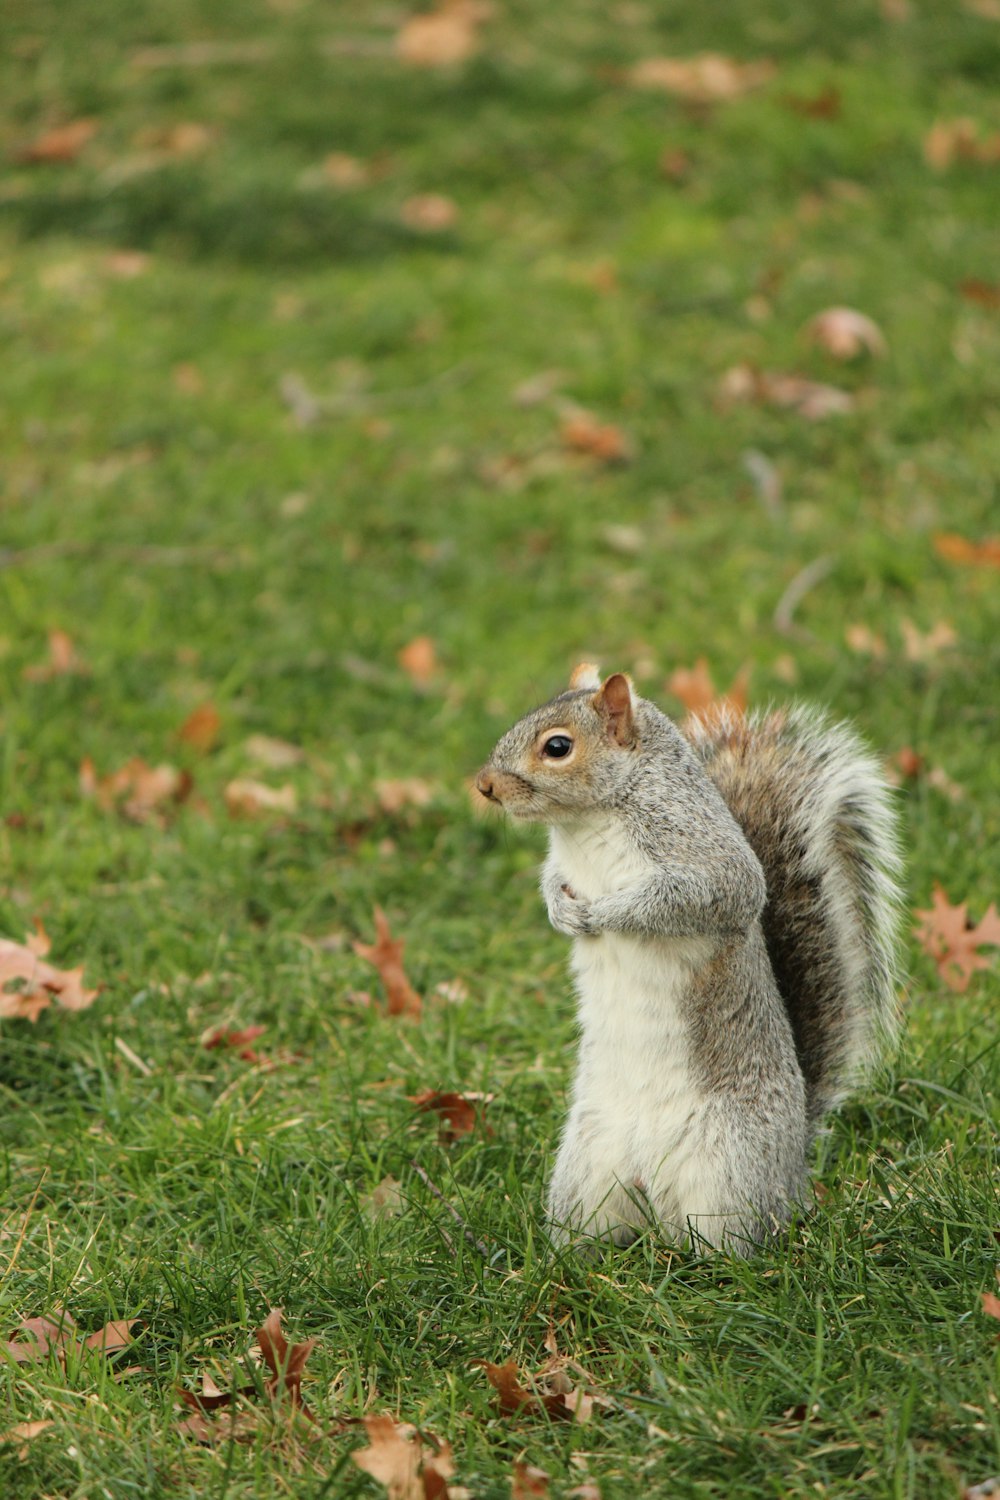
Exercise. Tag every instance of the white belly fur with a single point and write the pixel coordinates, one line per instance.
(635, 1097)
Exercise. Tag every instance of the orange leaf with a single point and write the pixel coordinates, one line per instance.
(696, 690)
(459, 1112)
(386, 955)
(947, 935)
(37, 984)
(581, 432)
(569, 1406)
(63, 143)
(418, 660)
(442, 38)
(201, 728)
(137, 790)
(991, 1304)
(238, 1041)
(958, 549)
(527, 1481)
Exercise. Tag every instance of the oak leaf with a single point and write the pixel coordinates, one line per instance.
(386, 955)
(36, 984)
(949, 141)
(397, 1458)
(707, 78)
(846, 333)
(986, 293)
(39, 1337)
(459, 1112)
(947, 935)
(991, 1304)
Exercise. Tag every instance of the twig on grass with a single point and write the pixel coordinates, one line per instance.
(471, 1239)
(796, 591)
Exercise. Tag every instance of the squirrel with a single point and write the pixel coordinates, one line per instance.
(731, 888)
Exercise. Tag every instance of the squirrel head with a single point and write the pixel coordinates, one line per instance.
(569, 756)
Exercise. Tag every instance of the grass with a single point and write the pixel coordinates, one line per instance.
(160, 504)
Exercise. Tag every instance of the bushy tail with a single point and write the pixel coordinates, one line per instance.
(817, 811)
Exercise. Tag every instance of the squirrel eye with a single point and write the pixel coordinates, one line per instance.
(558, 746)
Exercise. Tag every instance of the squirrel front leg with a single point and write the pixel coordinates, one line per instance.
(568, 912)
(712, 899)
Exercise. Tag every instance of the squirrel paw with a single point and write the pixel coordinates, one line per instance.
(568, 914)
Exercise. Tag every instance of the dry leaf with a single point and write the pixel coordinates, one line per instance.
(845, 333)
(696, 690)
(238, 1041)
(429, 213)
(63, 660)
(59, 1333)
(397, 1459)
(708, 78)
(182, 139)
(810, 398)
(865, 642)
(527, 1480)
(569, 1406)
(276, 755)
(407, 791)
(285, 1361)
(28, 985)
(921, 646)
(418, 660)
(63, 143)
(137, 790)
(991, 1304)
(581, 432)
(826, 105)
(459, 1112)
(958, 549)
(112, 1338)
(947, 935)
(949, 141)
(384, 1201)
(908, 763)
(251, 799)
(201, 728)
(386, 955)
(986, 293)
(444, 37)
(22, 1434)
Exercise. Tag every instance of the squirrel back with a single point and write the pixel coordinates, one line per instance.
(815, 808)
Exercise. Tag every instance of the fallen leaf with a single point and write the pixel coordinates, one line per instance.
(826, 105)
(187, 379)
(182, 139)
(809, 398)
(201, 728)
(947, 935)
(958, 549)
(991, 1304)
(137, 790)
(696, 690)
(429, 213)
(37, 984)
(527, 1480)
(442, 38)
(454, 991)
(986, 293)
(407, 791)
(581, 432)
(59, 1333)
(949, 141)
(251, 799)
(63, 143)
(238, 1041)
(275, 754)
(396, 1457)
(386, 955)
(112, 1338)
(923, 646)
(459, 1112)
(418, 660)
(384, 1201)
(675, 164)
(22, 1434)
(908, 763)
(62, 662)
(845, 333)
(285, 1361)
(513, 1398)
(865, 642)
(707, 78)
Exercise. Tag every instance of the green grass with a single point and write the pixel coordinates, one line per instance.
(154, 524)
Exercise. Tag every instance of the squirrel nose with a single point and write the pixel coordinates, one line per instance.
(484, 784)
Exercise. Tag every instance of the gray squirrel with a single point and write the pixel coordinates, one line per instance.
(732, 893)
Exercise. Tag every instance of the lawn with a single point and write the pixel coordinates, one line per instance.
(349, 402)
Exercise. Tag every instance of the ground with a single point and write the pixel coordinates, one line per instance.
(269, 417)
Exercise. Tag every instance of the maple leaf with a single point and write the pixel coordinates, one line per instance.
(568, 1405)
(845, 333)
(946, 934)
(418, 660)
(201, 728)
(459, 1111)
(696, 690)
(63, 660)
(386, 955)
(250, 799)
(396, 1457)
(63, 143)
(707, 78)
(37, 984)
(958, 549)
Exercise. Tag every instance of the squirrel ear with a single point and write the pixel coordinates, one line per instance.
(616, 703)
(586, 675)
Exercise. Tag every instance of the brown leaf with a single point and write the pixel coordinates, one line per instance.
(237, 1041)
(958, 549)
(986, 293)
(826, 105)
(527, 1481)
(846, 333)
(275, 754)
(696, 690)
(397, 1459)
(949, 141)
(285, 1361)
(908, 763)
(581, 432)
(63, 660)
(459, 1112)
(924, 645)
(182, 139)
(708, 78)
(513, 1398)
(442, 38)
(22, 1434)
(418, 660)
(63, 143)
(947, 935)
(407, 791)
(429, 213)
(201, 728)
(865, 642)
(112, 1338)
(991, 1304)
(139, 791)
(252, 799)
(809, 398)
(384, 1201)
(211, 1396)
(386, 955)
(37, 985)
(39, 1336)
